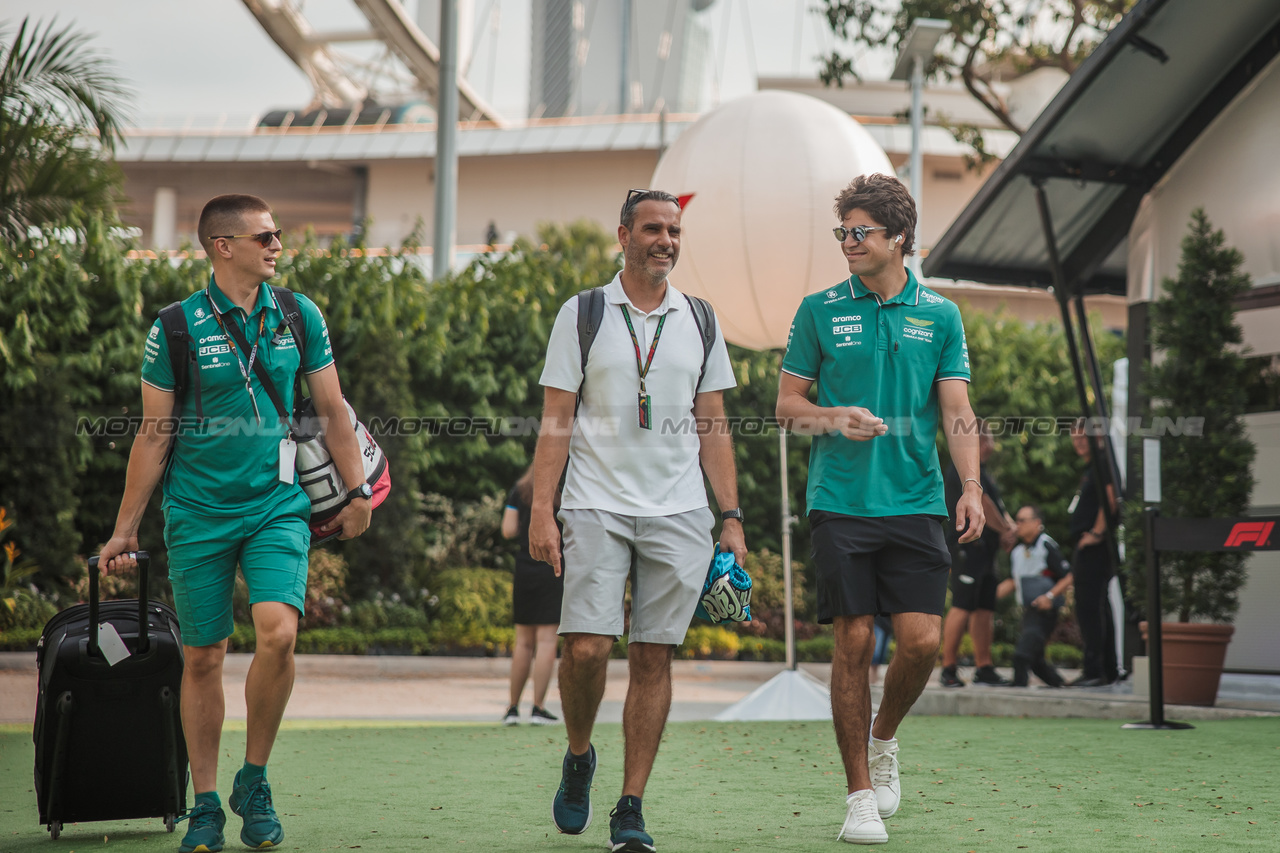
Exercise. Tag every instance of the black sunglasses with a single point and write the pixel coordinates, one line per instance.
(859, 232)
(630, 195)
(264, 239)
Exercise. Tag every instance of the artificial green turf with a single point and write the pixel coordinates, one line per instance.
(968, 784)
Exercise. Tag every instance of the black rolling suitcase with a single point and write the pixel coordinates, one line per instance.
(108, 739)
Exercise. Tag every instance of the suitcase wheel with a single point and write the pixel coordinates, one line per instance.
(169, 821)
(55, 829)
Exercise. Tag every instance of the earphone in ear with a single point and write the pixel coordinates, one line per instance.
(897, 239)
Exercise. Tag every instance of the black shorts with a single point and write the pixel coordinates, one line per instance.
(973, 577)
(536, 595)
(897, 564)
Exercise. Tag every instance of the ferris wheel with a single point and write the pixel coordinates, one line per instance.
(387, 60)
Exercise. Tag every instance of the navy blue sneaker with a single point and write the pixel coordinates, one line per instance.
(571, 809)
(204, 832)
(626, 828)
(262, 827)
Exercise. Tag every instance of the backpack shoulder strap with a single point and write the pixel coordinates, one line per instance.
(288, 302)
(705, 318)
(590, 315)
(183, 365)
(173, 321)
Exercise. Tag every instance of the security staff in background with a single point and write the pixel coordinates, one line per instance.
(1092, 570)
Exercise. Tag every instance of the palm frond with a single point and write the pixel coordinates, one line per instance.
(46, 68)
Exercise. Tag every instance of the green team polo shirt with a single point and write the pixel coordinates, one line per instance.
(886, 357)
(228, 465)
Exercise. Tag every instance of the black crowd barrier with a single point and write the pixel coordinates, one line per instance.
(1239, 535)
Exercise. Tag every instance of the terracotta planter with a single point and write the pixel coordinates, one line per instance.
(1193, 657)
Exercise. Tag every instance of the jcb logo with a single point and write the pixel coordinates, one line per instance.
(846, 330)
(215, 349)
(1257, 532)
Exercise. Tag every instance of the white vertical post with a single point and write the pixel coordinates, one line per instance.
(446, 143)
(789, 615)
(164, 219)
(917, 151)
(1151, 470)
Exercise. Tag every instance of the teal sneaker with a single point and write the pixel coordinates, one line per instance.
(626, 828)
(261, 826)
(571, 809)
(204, 829)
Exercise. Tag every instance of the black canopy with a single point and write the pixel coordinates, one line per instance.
(1117, 126)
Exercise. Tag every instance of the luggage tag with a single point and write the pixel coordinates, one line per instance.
(109, 642)
(288, 455)
(646, 412)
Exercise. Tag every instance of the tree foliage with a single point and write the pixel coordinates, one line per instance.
(445, 373)
(1022, 382)
(989, 42)
(1200, 373)
(71, 330)
(61, 111)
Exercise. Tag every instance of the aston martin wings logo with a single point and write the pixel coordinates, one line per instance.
(921, 323)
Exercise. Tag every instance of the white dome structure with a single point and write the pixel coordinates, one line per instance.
(761, 174)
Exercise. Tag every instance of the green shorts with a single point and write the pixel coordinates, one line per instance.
(269, 546)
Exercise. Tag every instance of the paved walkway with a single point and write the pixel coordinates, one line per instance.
(444, 689)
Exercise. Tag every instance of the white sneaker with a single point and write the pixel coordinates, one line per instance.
(882, 764)
(862, 824)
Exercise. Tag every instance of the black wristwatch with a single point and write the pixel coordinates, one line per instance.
(364, 490)
(731, 513)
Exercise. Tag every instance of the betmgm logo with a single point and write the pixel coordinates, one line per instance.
(725, 602)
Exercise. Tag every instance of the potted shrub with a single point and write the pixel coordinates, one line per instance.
(1206, 472)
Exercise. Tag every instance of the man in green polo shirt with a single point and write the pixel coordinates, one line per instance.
(231, 497)
(889, 359)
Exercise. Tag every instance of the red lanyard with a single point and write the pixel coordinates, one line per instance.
(653, 347)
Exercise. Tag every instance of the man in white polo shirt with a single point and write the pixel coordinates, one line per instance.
(634, 503)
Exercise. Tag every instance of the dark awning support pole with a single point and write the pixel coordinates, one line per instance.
(1101, 477)
(1095, 373)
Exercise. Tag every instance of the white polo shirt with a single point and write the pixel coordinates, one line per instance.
(615, 465)
(1029, 560)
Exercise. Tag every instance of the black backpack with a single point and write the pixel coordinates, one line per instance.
(591, 313)
(182, 355)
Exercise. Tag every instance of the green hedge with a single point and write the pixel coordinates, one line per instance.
(420, 355)
(19, 639)
(387, 641)
(703, 642)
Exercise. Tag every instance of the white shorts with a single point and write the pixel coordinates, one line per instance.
(665, 556)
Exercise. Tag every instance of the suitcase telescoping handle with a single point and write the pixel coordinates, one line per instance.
(144, 566)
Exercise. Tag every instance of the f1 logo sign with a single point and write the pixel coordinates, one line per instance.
(1257, 532)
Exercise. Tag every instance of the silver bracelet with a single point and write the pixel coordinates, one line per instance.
(972, 480)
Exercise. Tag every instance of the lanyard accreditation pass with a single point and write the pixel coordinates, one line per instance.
(253, 354)
(646, 413)
(288, 447)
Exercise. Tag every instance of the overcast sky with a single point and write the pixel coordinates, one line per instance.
(203, 61)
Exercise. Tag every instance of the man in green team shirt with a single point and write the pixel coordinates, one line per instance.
(889, 359)
(231, 497)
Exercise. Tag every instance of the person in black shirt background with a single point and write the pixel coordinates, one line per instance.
(973, 574)
(536, 594)
(1092, 573)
